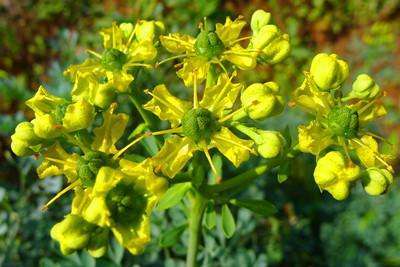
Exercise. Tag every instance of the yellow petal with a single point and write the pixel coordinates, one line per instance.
(106, 179)
(166, 106)
(119, 80)
(313, 138)
(221, 96)
(43, 102)
(230, 31)
(241, 57)
(178, 43)
(235, 149)
(57, 162)
(112, 129)
(311, 99)
(174, 155)
(141, 51)
(373, 112)
(366, 154)
(97, 212)
(193, 67)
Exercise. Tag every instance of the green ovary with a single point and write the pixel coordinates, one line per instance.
(343, 121)
(113, 59)
(208, 45)
(199, 124)
(126, 203)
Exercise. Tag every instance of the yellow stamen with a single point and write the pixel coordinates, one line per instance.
(60, 161)
(121, 151)
(377, 156)
(171, 58)
(231, 115)
(94, 53)
(207, 153)
(59, 194)
(162, 101)
(241, 39)
(128, 43)
(222, 93)
(138, 65)
(195, 100)
(343, 143)
(168, 131)
(367, 106)
(234, 143)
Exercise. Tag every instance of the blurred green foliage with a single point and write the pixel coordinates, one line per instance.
(40, 38)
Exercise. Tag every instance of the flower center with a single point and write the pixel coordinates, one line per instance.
(208, 45)
(89, 165)
(113, 59)
(126, 204)
(343, 121)
(199, 124)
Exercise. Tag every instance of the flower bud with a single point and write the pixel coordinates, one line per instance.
(376, 181)
(328, 72)
(259, 19)
(23, 138)
(46, 127)
(364, 87)
(78, 116)
(72, 233)
(269, 144)
(43, 102)
(262, 100)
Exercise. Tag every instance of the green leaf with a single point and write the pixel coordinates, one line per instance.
(173, 195)
(87, 260)
(210, 217)
(138, 130)
(171, 237)
(228, 222)
(261, 207)
(283, 172)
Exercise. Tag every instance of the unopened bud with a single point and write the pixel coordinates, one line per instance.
(46, 127)
(364, 87)
(259, 19)
(78, 116)
(262, 100)
(328, 72)
(23, 138)
(269, 144)
(376, 181)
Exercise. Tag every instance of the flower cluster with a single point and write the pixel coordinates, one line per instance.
(345, 150)
(78, 138)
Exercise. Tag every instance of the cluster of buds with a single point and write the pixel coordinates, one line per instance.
(345, 151)
(114, 195)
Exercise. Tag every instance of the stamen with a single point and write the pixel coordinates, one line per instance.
(138, 65)
(221, 65)
(231, 115)
(222, 92)
(378, 137)
(59, 194)
(207, 153)
(195, 100)
(94, 53)
(241, 39)
(342, 141)
(128, 43)
(121, 151)
(377, 156)
(171, 58)
(60, 161)
(364, 108)
(168, 131)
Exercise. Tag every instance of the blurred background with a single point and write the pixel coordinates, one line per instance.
(40, 38)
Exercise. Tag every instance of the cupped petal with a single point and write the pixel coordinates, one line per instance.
(178, 43)
(235, 149)
(313, 138)
(112, 129)
(230, 31)
(194, 68)
(241, 57)
(174, 155)
(222, 95)
(166, 106)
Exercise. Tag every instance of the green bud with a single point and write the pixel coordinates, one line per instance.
(199, 124)
(269, 143)
(113, 59)
(259, 19)
(376, 181)
(364, 87)
(262, 100)
(343, 121)
(208, 45)
(46, 127)
(328, 72)
(78, 116)
(126, 203)
(72, 233)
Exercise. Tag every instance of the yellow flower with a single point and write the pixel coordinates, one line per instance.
(209, 47)
(122, 200)
(334, 175)
(199, 125)
(125, 46)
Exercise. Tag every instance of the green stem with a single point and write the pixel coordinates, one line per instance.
(195, 219)
(143, 113)
(242, 179)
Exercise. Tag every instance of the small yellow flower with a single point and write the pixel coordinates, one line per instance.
(199, 125)
(122, 199)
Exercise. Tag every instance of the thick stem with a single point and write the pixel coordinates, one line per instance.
(195, 219)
